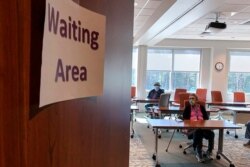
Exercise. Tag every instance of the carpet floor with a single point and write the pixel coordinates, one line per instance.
(142, 148)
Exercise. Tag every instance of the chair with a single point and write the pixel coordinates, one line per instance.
(239, 96)
(164, 100)
(163, 103)
(133, 91)
(185, 102)
(216, 96)
(201, 93)
(189, 143)
(183, 97)
(189, 134)
(177, 97)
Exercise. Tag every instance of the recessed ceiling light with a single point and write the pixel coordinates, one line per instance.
(135, 4)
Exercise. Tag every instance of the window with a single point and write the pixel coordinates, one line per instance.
(186, 69)
(134, 66)
(159, 65)
(239, 71)
(173, 68)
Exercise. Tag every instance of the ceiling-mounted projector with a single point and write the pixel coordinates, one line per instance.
(214, 27)
(218, 25)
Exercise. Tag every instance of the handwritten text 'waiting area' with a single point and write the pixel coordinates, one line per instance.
(69, 29)
(72, 30)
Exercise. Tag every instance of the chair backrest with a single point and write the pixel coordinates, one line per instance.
(177, 92)
(133, 91)
(183, 97)
(164, 100)
(216, 96)
(202, 94)
(239, 96)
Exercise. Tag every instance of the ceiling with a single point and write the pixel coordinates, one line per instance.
(157, 20)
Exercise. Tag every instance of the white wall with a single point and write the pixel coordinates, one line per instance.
(212, 52)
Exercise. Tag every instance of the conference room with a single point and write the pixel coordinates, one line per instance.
(94, 131)
(192, 45)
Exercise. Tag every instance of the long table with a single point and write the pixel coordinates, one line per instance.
(235, 107)
(229, 104)
(133, 109)
(207, 124)
(238, 110)
(175, 110)
(223, 106)
(138, 100)
(178, 110)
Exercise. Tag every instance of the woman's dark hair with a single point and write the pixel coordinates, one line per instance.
(193, 94)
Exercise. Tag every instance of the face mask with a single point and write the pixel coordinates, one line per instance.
(192, 102)
(157, 88)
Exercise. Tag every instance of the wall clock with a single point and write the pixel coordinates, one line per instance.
(219, 66)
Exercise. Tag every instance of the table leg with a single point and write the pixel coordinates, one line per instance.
(170, 140)
(219, 116)
(220, 148)
(155, 155)
(234, 117)
(220, 142)
(132, 123)
(234, 122)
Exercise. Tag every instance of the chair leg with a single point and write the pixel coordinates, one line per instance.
(189, 146)
(170, 140)
(218, 116)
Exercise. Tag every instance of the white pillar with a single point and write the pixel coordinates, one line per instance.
(142, 69)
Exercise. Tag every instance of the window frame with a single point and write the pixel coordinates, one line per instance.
(229, 91)
(171, 81)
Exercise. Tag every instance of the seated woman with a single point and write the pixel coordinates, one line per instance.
(247, 134)
(195, 112)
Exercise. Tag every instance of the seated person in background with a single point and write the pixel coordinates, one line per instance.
(195, 112)
(247, 134)
(154, 94)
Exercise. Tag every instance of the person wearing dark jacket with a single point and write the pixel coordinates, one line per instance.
(195, 112)
(247, 134)
(154, 94)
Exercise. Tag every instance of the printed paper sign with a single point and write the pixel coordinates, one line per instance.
(73, 52)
